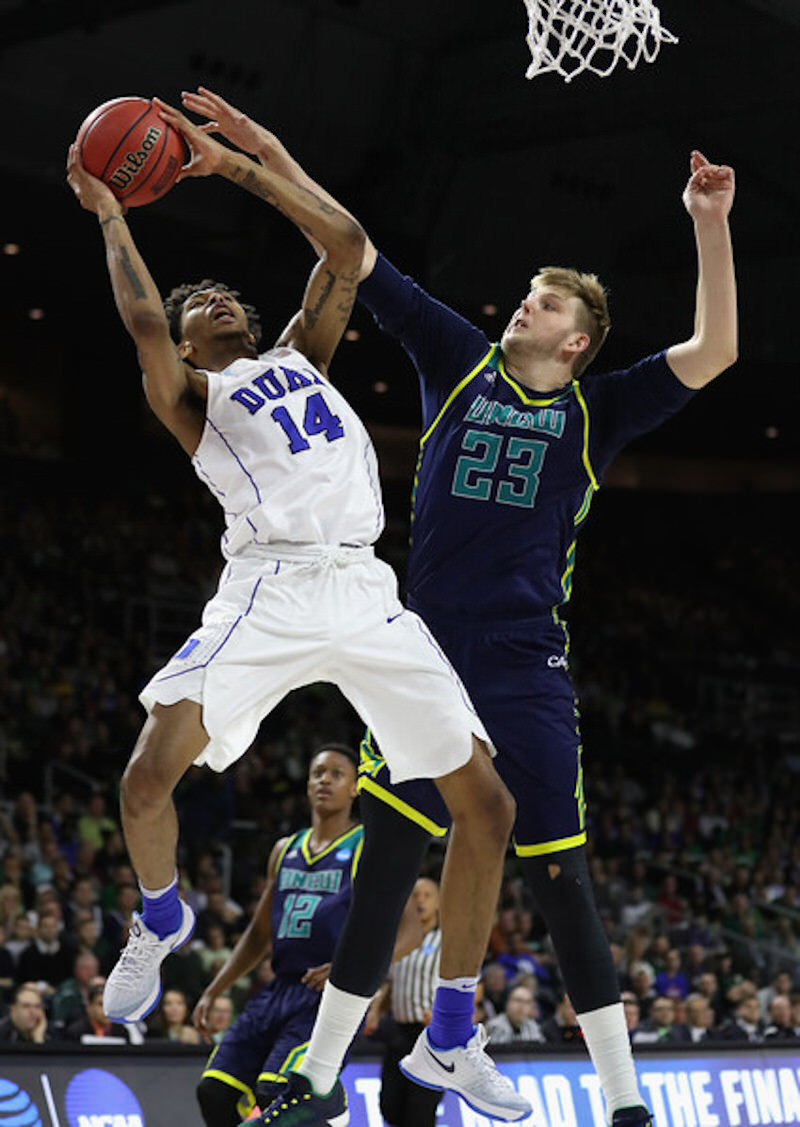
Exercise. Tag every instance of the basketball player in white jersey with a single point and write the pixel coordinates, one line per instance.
(302, 597)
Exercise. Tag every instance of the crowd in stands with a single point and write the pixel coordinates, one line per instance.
(693, 793)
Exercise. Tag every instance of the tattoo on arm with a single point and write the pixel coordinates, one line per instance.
(132, 277)
(312, 315)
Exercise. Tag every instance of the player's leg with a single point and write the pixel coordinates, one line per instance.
(170, 740)
(534, 721)
(562, 890)
(392, 855)
(226, 1092)
(449, 1053)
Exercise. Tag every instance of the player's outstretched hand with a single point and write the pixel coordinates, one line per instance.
(710, 189)
(206, 154)
(223, 118)
(91, 193)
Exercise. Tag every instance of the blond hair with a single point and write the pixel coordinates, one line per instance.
(593, 317)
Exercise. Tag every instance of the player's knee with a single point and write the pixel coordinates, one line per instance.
(218, 1103)
(145, 787)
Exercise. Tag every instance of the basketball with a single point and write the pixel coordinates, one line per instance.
(127, 145)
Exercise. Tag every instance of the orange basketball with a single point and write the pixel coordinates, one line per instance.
(127, 145)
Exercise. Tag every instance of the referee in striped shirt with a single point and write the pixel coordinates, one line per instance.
(411, 985)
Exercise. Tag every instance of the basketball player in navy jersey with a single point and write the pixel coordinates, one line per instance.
(302, 597)
(515, 442)
(296, 924)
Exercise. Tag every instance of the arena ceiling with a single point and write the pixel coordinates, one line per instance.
(419, 116)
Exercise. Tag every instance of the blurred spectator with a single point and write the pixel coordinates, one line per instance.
(495, 989)
(69, 1000)
(699, 1021)
(26, 1021)
(517, 1022)
(47, 959)
(642, 980)
(220, 1017)
(658, 1026)
(746, 1023)
(117, 921)
(562, 1026)
(95, 1026)
(215, 951)
(172, 1021)
(630, 1004)
(83, 897)
(779, 1025)
(671, 981)
(781, 984)
(95, 824)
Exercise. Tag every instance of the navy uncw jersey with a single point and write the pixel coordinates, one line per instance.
(504, 480)
(505, 476)
(310, 899)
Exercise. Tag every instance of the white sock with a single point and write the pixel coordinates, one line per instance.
(606, 1037)
(154, 893)
(338, 1018)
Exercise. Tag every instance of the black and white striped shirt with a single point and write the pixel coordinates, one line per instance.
(414, 979)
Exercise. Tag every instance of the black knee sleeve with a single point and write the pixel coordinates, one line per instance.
(218, 1103)
(394, 849)
(562, 890)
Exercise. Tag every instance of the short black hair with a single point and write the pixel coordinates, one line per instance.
(177, 297)
(343, 749)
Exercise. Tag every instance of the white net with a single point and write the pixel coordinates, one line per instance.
(571, 36)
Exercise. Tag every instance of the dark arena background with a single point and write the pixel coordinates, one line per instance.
(686, 606)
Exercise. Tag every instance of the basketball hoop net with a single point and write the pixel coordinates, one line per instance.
(571, 36)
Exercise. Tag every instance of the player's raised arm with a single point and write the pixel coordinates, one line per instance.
(331, 290)
(248, 135)
(167, 381)
(713, 346)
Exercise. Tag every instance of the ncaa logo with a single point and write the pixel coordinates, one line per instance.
(17, 1109)
(96, 1098)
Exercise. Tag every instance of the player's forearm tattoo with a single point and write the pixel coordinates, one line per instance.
(129, 270)
(312, 314)
(251, 179)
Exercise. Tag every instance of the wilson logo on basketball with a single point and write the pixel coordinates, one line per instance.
(122, 176)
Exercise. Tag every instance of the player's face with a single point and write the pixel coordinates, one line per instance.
(331, 782)
(212, 314)
(543, 321)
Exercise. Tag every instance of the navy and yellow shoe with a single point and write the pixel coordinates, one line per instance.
(632, 1117)
(299, 1106)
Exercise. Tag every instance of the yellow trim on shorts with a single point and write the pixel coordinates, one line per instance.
(557, 846)
(231, 1081)
(365, 783)
(294, 1058)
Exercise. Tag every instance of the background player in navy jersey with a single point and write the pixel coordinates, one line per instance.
(302, 597)
(515, 442)
(296, 925)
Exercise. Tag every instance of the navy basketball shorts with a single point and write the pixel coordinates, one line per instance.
(267, 1040)
(518, 678)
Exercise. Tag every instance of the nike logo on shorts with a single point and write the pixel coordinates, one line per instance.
(394, 616)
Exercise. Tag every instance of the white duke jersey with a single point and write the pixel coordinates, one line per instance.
(287, 457)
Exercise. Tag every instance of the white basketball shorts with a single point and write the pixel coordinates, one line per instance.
(320, 615)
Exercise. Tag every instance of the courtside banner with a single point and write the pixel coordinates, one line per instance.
(133, 1087)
